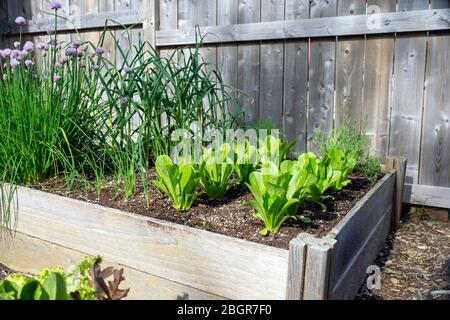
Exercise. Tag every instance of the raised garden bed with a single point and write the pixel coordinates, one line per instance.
(166, 260)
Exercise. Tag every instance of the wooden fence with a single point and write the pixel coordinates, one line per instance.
(306, 64)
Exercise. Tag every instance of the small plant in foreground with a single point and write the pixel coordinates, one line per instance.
(86, 282)
(216, 171)
(178, 181)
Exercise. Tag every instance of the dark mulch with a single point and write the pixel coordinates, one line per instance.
(415, 263)
(231, 216)
(4, 271)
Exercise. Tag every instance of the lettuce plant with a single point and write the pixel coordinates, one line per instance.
(246, 160)
(216, 171)
(178, 181)
(330, 173)
(278, 192)
(86, 282)
(276, 150)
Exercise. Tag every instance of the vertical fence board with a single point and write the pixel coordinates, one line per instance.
(248, 63)
(227, 53)
(349, 68)
(295, 89)
(378, 81)
(271, 68)
(321, 75)
(169, 19)
(407, 96)
(435, 151)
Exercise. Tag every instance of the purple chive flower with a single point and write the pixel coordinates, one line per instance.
(100, 51)
(28, 46)
(6, 53)
(22, 55)
(76, 44)
(55, 5)
(46, 73)
(50, 30)
(15, 53)
(80, 54)
(29, 63)
(14, 63)
(71, 52)
(95, 67)
(56, 78)
(20, 21)
(127, 70)
(17, 44)
(123, 101)
(42, 46)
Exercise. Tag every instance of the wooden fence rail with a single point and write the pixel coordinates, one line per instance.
(306, 64)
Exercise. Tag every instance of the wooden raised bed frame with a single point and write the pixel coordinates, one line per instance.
(163, 260)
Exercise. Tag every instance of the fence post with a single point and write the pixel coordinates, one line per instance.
(296, 269)
(317, 268)
(399, 165)
(150, 12)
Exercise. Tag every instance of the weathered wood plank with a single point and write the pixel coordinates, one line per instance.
(321, 76)
(271, 68)
(407, 96)
(378, 68)
(227, 54)
(296, 269)
(349, 68)
(221, 265)
(88, 21)
(427, 195)
(435, 151)
(317, 267)
(295, 89)
(28, 254)
(360, 235)
(399, 165)
(150, 12)
(391, 22)
(248, 63)
(170, 17)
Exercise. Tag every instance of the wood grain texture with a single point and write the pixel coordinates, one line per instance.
(295, 89)
(221, 265)
(227, 54)
(317, 267)
(378, 68)
(349, 68)
(407, 96)
(393, 22)
(169, 16)
(435, 151)
(429, 196)
(30, 255)
(398, 164)
(359, 236)
(296, 269)
(321, 76)
(271, 68)
(249, 63)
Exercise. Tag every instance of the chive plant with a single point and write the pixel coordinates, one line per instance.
(48, 113)
(72, 113)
